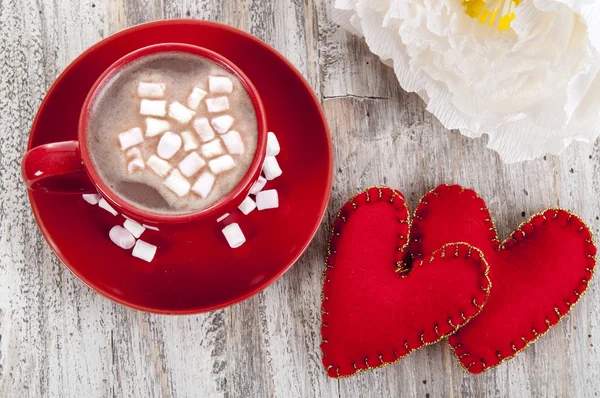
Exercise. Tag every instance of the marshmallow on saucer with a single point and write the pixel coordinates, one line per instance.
(91, 198)
(131, 137)
(224, 216)
(204, 184)
(234, 143)
(271, 168)
(189, 141)
(151, 90)
(267, 199)
(168, 145)
(177, 183)
(104, 205)
(222, 124)
(258, 185)
(220, 84)
(218, 104)
(134, 227)
(221, 164)
(121, 237)
(194, 99)
(153, 107)
(202, 127)
(191, 164)
(212, 149)
(247, 206)
(180, 113)
(144, 250)
(234, 235)
(156, 126)
(272, 145)
(159, 166)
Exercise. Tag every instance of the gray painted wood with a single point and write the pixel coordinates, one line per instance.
(60, 339)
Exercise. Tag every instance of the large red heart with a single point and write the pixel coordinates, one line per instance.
(377, 310)
(537, 274)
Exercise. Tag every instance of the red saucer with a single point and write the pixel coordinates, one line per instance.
(194, 270)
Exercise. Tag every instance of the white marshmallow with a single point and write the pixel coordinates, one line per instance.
(144, 250)
(151, 90)
(136, 164)
(220, 84)
(222, 124)
(156, 126)
(202, 127)
(153, 107)
(204, 184)
(91, 198)
(267, 199)
(134, 227)
(189, 141)
(234, 143)
(191, 164)
(180, 113)
(168, 145)
(271, 168)
(224, 216)
(218, 104)
(150, 227)
(121, 237)
(177, 183)
(104, 205)
(159, 166)
(212, 149)
(258, 185)
(194, 99)
(131, 137)
(272, 145)
(133, 153)
(221, 164)
(234, 235)
(247, 206)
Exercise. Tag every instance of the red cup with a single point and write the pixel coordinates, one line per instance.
(66, 167)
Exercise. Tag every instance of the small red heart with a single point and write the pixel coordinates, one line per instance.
(375, 311)
(537, 274)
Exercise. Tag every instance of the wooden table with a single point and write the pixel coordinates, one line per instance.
(60, 339)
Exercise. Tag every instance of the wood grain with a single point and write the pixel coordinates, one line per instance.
(60, 339)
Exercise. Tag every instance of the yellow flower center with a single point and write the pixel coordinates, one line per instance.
(492, 12)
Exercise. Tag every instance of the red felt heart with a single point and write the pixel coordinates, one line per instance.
(374, 311)
(537, 274)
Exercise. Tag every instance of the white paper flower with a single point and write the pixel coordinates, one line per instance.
(533, 88)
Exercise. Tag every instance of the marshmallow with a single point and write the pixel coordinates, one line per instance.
(121, 237)
(233, 142)
(133, 153)
(218, 104)
(180, 113)
(151, 90)
(136, 164)
(153, 107)
(159, 166)
(144, 250)
(156, 126)
(197, 95)
(258, 185)
(220, 84)
(91, 198)
(272, 145)
(222, 124)
(267, 199)
(247, 206)
(221, 164)
(189, 141)
(204, 184)
(212, 149)
(150, 227)
(224, 216)
(234, 235)
(104, 205)
(177, 183)
(202, 127)
(168, 145)
(271, 168)
(191, 164)
(131, 137)
(134, 227)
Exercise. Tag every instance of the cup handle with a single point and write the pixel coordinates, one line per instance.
(56, 168)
